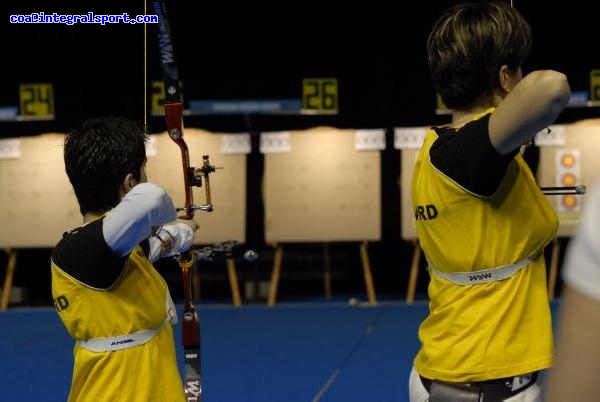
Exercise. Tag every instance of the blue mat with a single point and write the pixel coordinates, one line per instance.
(291, 352)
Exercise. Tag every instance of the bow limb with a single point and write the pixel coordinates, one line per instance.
(174, 120)
(173, 104)
(174, 117)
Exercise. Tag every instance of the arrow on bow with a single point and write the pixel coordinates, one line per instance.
(192, 178)
(581, 189)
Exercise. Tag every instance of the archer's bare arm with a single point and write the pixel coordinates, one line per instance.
(533, 104)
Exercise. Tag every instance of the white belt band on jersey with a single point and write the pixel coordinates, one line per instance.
(485, 275)
(130, 340)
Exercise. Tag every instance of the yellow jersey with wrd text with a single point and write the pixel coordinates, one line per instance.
(491, 330)
(136, 302)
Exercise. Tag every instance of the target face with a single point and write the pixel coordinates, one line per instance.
(568, 173)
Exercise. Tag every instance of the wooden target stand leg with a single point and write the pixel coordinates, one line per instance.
(414, 272)
(275, 274)
(233, 283)
(364, 255)
(8, 278)
(553, 270)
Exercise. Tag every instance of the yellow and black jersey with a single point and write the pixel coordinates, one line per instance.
(476, 210)
(99, 294)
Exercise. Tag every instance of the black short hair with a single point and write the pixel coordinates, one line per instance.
(469, 44)
(98, 155)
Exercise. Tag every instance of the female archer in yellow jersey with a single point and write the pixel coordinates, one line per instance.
(107, 293)
(481, 219)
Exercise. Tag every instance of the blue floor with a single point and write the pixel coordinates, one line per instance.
(325, 351)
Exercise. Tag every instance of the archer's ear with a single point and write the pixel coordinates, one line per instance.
(504, 78)
(127, 184)
(507, 79)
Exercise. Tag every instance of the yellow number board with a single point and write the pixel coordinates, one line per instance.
(320, 95)
(36, 101)
(157, 97)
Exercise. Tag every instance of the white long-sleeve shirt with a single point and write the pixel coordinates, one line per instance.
(146, 207)
(581, 268)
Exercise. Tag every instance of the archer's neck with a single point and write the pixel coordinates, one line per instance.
(92, 216)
